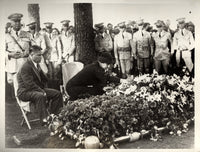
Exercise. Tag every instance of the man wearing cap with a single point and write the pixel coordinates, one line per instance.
(48, 37)
(142, 48)
(68, 42)
(162, 53)
(123, 50)
(38, 39)
(183, 43)
(92, 78)
(103, 41)
(32, 86)
(17, 46)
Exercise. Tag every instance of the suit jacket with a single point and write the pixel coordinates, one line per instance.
(30, 78)
(92, 74)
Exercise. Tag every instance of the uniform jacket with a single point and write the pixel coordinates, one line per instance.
(103, 42)
(38, 39)
(92, 74)
(142, 44)
(185, 41)
(122, 40)
(23, 39)
(30, 79)
(68, 42)
(161, 45)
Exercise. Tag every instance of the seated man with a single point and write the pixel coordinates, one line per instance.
(92, 79)
(32, 86)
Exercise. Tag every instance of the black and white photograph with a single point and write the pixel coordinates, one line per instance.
(99, 74)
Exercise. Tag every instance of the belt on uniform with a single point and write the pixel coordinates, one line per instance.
(124, 49)
(184, 50)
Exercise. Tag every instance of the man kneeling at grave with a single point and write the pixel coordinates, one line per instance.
(92, 79)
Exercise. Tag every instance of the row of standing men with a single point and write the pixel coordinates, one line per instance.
(125, 43)
(138, 46)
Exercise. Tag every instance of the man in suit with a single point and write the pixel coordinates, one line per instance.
(32, 86)
(92, 78)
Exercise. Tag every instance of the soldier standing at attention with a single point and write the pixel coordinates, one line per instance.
(39, 40)
(162, 53)
(183, 43)
(142, 48)
(123, 50)
(68, 42)
(17, 47)
(48, 36)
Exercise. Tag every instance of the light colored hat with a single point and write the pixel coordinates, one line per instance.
(181, 20)
(15, 17)
(140, 22)
(48, 24)
(122, 25)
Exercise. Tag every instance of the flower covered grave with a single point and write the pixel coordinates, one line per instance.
(145, 104)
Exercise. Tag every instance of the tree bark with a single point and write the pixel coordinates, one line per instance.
(84, 35)
(34, 15)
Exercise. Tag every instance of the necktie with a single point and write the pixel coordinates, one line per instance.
(182, 32)
(159, 35)
(142, 34)
(17, 33)
(38, 67)
(122, 35)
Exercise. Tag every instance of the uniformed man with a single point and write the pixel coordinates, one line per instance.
(68, 42)
(142, 48)
(167, 27)
(103, 41)
(123, 50)
(183, 43)
(162, 53)
(17, 47)
(39, 40)
(47, 34)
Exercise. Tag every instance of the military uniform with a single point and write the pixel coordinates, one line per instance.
(38, 39)
(103, 41)
(162, 53)
(183, 43)
(16, 42)
(68, 42)
(142, 49)
(122, 50)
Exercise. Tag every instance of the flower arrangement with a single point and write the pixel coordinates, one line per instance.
(147, 103)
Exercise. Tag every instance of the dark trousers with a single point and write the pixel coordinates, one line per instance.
(53, 98)
(143, 65)
(76, 92)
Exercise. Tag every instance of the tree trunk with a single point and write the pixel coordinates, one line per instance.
(84, 35)
(34, 15)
